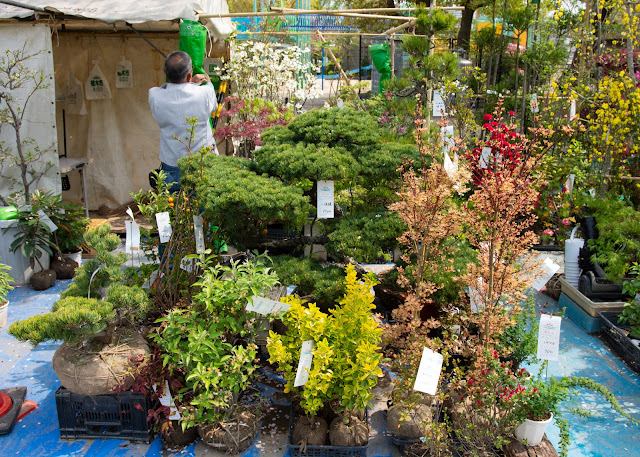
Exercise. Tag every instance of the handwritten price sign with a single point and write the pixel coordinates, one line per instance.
(549, 337)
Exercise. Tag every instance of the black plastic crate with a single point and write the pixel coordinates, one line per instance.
(121, 416)
(325, 451)
(618, 340)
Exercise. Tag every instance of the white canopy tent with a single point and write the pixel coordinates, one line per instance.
(117, 135)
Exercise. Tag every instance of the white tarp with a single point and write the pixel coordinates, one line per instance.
(40, 117)
(132, 11)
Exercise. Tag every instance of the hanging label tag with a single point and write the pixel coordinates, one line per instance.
(485, 156)
(46, 221)
(164, 226)
(306, 357)
(152, 278)
(428, 372)
(571, 179)
(439, 108)
(132, 242)
(572, 110)
(124, 74)
(265, 306)
(188, 265)
(475, 298)
(545, 273)
(534, 103)
(199, 234)
(449, 166)
(549, 337)
(167, 400)
(447, 138)
(325, 199)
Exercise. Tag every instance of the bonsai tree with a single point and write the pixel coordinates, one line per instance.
(19, 82)
(345, 362)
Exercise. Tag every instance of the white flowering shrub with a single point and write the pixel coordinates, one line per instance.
(273, 72)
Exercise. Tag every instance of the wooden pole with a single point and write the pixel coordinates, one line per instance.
(293, 12)
(406, 25)
(393, 55)
(339, 67)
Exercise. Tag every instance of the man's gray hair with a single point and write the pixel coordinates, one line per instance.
(177, 66)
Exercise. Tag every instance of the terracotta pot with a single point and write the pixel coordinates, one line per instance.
(530, 433)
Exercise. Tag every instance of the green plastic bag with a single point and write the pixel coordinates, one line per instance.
(193, 41)
(8, 213)
(381, 58)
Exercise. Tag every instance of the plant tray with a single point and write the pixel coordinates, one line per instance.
(590, 307)
(325, 451)
(121, 416)
(616, 334)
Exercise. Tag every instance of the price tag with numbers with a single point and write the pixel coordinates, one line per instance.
(325, 200)
(549, 337)
(306, 357)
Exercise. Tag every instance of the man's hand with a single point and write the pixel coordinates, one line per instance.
(199, 79)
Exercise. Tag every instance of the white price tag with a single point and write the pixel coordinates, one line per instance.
(475, 297)
(428, 372)
(447, 138)
(164, 226)
(545, 272)
(188, 265)
(306, 357)
(571, 179)
(265, 306)
(132, 242)
(167, 400)
(325, 200)
(549, 337)
(534, 103)
(199, 234)
(449, 166)
(439, 109)
(572, 110)
(46, 221)
(485, 156)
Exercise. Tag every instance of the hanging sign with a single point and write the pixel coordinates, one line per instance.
(549, 337)
(306, 357)
(124, 74)
(428, 372)
(325, 200)
(97, 87)
(265, 306)
(164, 226)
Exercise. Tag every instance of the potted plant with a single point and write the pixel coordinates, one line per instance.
(99, 334)
(4, 291)
(539, 402)
(344, 368)
(210, 346)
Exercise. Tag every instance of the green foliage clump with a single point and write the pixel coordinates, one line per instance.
(71, 320)
(323, 284)
(5, 278)
(131, 302)
(363, 236)
(107, 264)
(521, 340)
(240, 201)
(618, 242)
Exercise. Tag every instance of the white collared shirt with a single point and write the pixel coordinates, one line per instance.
(170, 105)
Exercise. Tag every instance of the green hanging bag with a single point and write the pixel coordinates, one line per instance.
(193, 41)
(381, 58)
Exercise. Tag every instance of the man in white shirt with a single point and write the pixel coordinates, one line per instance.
(172, 103)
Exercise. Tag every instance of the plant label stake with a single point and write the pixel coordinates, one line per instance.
(167, 400)
(164, 226)
(549, 337)
(325, 200)
(485, 155)
(306, 357)
(535, 108)
(447, 138)
(265, 306)
(199, 234)
(572, 110)
(571, 179)
(132, 241)
(475, 300)
(46, 221)
(439, 108)
(544, 273)
(428, 372)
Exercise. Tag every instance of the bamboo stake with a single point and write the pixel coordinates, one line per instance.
(406, 25)
(297, 13)
(339, 67)
(294, 12)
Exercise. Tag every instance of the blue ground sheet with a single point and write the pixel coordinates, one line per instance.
(606, 434)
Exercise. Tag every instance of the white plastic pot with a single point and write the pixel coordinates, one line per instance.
(572, 248)
(530, 432)
(4, 310)
(21, 270)
(75, 256)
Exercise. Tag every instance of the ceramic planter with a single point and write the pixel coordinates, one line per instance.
(530, 433)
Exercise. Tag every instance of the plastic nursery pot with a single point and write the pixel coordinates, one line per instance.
(530, 432)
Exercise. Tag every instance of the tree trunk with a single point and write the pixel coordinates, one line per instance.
(464, 34)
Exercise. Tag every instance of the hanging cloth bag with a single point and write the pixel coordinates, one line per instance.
(193, 41)
(72, 96)
(97, 87)
(124, 74)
